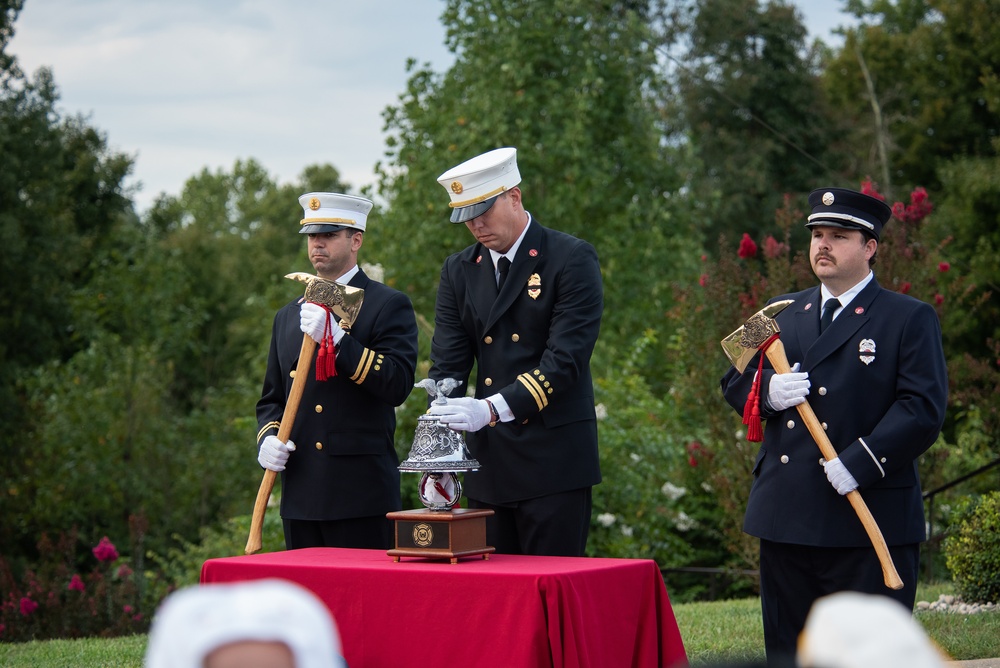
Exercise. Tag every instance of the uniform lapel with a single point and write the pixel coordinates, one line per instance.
(807, 321)
(851, 319)
(481, 278)
(520, 269)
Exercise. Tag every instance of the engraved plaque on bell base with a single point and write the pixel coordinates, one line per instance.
(440, 534)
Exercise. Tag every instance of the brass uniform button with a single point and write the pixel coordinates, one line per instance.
(790, 424)
(784, 459)
(319, 408)
(319, 446)
(822, 391)
(515, 338)
(488, 382)
(488, 340)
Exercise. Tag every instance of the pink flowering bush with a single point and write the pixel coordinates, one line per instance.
(65, 596)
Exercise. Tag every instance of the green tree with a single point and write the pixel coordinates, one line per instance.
(61, 203)
(746, 99)
(61, 199)
(915, 80)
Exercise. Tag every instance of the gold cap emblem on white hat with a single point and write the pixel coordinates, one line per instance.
(456, 187)
(314, 203)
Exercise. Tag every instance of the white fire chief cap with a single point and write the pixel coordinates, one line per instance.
(475, 184)
(329, 212)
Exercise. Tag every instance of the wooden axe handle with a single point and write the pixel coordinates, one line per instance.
(255, 540)
(776, 354)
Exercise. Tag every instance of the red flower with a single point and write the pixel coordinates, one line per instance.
(905, 287)
(944, 266)
(76, 584)
(918, 208)
(123, 572)
(748, 248)
(773, 248)
(703, 280)
(939, 299)
(105, 550)
(868, 189)
(28, 606)
(694, 448)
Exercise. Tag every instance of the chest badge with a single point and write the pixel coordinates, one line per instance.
(867, 350)
(534, 286)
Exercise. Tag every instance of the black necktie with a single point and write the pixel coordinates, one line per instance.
(829, 308)
(503, 266)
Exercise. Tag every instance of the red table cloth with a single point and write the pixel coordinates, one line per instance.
(519, 611)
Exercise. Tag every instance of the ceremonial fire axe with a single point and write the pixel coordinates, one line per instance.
(760, 332)
(345, 302)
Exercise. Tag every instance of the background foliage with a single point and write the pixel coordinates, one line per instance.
(680, 138)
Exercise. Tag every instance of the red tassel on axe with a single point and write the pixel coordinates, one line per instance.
(751, 410)
(326, 358)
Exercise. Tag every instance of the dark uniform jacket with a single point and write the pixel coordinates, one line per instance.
(879, 385)
(532, 344)
(344, 465)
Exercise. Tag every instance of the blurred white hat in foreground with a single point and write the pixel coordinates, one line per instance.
(853, 630)
(195, 621)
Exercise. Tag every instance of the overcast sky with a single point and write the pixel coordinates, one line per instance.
(182, 85)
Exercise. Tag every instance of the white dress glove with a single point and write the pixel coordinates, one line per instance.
(273, 453)
(463, 413)
(839, 476)
(788, 389)
(312, 321)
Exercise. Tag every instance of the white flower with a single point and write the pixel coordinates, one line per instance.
(374, 271)
(684, 521)
(606, 519)
(626, 531)
(601, 410)
(672, 491)
(707, 487)
(635, 458)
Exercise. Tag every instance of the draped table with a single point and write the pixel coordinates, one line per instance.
(508, 610)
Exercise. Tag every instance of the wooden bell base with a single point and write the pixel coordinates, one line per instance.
(440, 534)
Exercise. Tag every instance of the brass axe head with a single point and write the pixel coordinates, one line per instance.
(743, 344)
(343, 300)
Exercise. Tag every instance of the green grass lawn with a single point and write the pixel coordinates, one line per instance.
(713, 632)
(730, 631)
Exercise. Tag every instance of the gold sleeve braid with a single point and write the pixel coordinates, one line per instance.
(532, 381)
(369, 358)
(263, 430)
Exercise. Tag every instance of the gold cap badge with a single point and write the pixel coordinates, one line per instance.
(314, 203)
(456, 187)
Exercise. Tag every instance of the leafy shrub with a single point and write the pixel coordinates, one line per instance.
(56, 598)
(972, 550)
(181, 566)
